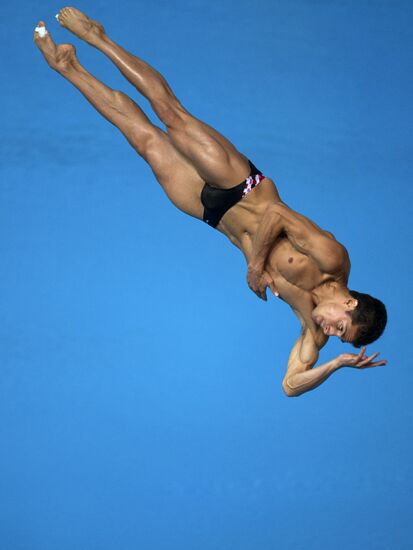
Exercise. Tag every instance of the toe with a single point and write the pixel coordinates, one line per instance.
(76, 13)
(44, 40)
(39, 25)
(62, 18)
(40, 30)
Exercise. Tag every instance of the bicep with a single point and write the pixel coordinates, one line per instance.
(304, 354)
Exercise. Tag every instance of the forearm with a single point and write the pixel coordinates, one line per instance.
(297, 384)
(270, 228)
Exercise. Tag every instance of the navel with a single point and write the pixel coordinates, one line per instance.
(290, 260)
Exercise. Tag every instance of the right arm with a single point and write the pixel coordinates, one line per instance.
(304, 235)
(270, 228)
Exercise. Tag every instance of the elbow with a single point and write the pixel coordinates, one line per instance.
(288, 390)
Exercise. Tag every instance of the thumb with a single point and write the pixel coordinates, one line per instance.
(273, 289)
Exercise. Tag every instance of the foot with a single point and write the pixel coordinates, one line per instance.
(80, 24)
(60, 57)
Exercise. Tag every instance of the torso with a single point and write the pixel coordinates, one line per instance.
(295, 275)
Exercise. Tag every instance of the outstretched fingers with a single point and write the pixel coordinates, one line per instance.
(362, 355)
(376, 364)
(368, 361)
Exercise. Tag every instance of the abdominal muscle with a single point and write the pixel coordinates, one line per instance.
(293, 273)
(240, 223)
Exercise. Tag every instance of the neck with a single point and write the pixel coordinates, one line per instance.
(328, 291)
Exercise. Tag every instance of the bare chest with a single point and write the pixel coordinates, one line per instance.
(290, 268)
(295, 276)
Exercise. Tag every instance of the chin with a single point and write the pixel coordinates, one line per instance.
(318, 319)
(316, 314)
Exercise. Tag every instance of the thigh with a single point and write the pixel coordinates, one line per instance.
(177, 176)
(214, 157)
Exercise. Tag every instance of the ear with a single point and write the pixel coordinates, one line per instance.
(351, 303)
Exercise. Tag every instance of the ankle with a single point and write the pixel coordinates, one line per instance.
(96, 37)
(100, 40)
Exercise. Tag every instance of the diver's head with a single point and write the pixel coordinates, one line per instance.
(369, 318)
(352, 316)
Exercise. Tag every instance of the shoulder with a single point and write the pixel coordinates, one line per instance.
(312, 337)
(305, 351)
(339, 259)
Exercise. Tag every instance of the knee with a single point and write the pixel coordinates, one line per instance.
(120, 98)
(169, 110)
(143, 141)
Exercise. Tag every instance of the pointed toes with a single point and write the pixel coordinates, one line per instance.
(40, 30)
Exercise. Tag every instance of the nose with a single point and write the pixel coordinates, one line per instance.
(329, 331)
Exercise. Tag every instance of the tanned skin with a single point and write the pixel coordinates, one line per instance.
(301, 263)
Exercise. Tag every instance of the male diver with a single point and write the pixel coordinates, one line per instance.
(205, 176)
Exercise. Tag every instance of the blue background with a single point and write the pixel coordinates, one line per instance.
(140, 391)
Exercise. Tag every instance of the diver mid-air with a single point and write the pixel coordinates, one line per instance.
(206, 177)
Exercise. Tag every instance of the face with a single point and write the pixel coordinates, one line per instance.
(335, 320)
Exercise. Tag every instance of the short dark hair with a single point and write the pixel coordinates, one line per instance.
(370, 318)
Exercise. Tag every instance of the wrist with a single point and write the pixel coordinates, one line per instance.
(256, 265)
(337, 363)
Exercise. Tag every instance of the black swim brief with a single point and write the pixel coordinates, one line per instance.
(218, 201)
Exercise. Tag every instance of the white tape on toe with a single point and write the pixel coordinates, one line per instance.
(41, 31)
(57, 16)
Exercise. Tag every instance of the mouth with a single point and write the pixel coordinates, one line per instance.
(323, 324)
(326, 328)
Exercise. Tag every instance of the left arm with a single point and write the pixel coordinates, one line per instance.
(300, 382)
(301, 377)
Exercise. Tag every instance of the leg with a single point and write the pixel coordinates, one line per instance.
(214, 157)
(176, 175)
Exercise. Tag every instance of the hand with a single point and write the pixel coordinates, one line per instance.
(258, 281)
(360, 361)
